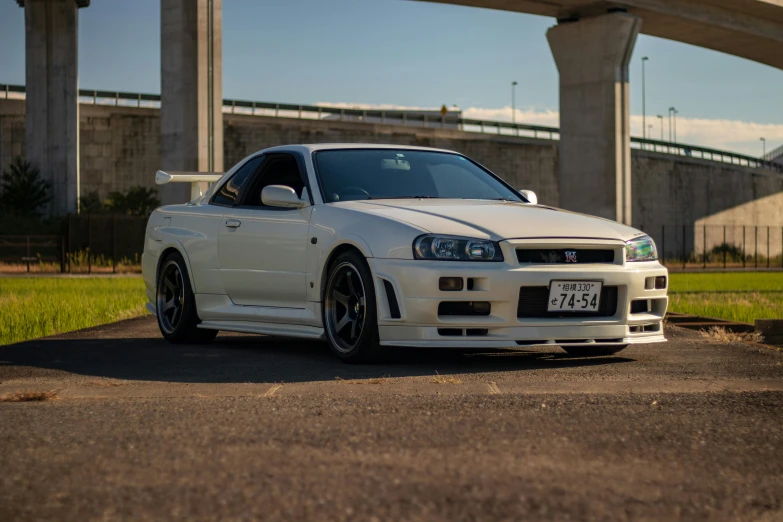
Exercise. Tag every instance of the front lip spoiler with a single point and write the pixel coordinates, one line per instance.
(510, 344)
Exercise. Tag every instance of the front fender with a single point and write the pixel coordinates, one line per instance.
(333, 227)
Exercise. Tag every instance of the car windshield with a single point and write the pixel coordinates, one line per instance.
(352, 174)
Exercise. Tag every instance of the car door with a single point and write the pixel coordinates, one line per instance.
(206, 221)
(262, 249)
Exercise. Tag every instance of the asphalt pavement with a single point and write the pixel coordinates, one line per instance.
(259, 428)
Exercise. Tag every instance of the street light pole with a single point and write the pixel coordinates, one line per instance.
(676, 112)
(644, 101)
(660, 117)
(763, 147)
(513, 103)
(670, 123)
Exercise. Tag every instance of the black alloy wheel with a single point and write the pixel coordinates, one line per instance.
(171, 297)
(175, 304)
(349, 311)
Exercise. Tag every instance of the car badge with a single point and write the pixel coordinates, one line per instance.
(570, 256)
(551, 257)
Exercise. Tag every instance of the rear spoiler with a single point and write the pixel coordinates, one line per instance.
(199, 181)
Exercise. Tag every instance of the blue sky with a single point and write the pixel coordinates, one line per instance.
(409, 54)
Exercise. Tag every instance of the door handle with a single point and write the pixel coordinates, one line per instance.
(233, 223)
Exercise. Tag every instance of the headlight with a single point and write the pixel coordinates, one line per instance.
(641, 248)
(451, 248)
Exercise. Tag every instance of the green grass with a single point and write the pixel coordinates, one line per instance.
(725, 282)
(37, 307)
(734, 296)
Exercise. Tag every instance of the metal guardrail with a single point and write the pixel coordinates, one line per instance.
(774, 154)
(681, 149)
(414, 119)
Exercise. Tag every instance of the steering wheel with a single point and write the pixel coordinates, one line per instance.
(354, 189)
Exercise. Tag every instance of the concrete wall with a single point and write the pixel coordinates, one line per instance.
(704, 196)
(120, 148)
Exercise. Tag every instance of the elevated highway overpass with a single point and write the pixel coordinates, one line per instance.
(751, 29)
(591, 43)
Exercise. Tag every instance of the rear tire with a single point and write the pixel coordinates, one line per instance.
(176, 304)
(593, 351)
(350, 314)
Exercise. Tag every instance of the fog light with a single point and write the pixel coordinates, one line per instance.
(660, 282)
(450, 284)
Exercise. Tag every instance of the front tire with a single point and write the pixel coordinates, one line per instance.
(593, 351)
(349, 313)
(176, 304)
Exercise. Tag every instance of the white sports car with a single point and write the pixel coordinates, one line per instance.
(370, 246)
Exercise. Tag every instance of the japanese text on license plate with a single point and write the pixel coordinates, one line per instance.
(574, 296)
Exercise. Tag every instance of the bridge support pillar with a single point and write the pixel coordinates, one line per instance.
(191, 112)
(52, 97)
(592, 58)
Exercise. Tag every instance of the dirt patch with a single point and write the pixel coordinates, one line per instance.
(103, 383)
(721, 335)
(30, 396)
(446, 379)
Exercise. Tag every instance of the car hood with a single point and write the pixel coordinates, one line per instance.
(496, 220)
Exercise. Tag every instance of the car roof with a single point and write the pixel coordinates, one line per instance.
(309, 148)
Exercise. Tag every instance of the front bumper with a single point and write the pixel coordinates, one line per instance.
(415, 288)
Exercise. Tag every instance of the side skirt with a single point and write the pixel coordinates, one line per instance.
(283, 330)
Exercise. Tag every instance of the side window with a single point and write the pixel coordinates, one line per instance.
(228, 193)
(279, 169)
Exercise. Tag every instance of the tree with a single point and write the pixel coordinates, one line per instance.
(136, 201)
(22, 191)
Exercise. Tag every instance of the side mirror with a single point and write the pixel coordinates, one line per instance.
(281, 196)
(530, 196)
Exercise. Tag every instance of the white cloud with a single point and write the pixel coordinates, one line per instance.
(730, 135)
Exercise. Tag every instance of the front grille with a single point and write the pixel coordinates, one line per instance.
(559, 256)
(533, 303)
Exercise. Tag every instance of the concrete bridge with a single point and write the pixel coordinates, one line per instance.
(751, 29)
(591, 43)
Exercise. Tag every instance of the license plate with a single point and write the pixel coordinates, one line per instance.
(574, 296)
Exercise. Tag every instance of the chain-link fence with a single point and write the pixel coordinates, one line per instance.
(98, 243)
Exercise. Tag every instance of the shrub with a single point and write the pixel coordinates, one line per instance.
(136, 201)
(733, 252)
(91, 203)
